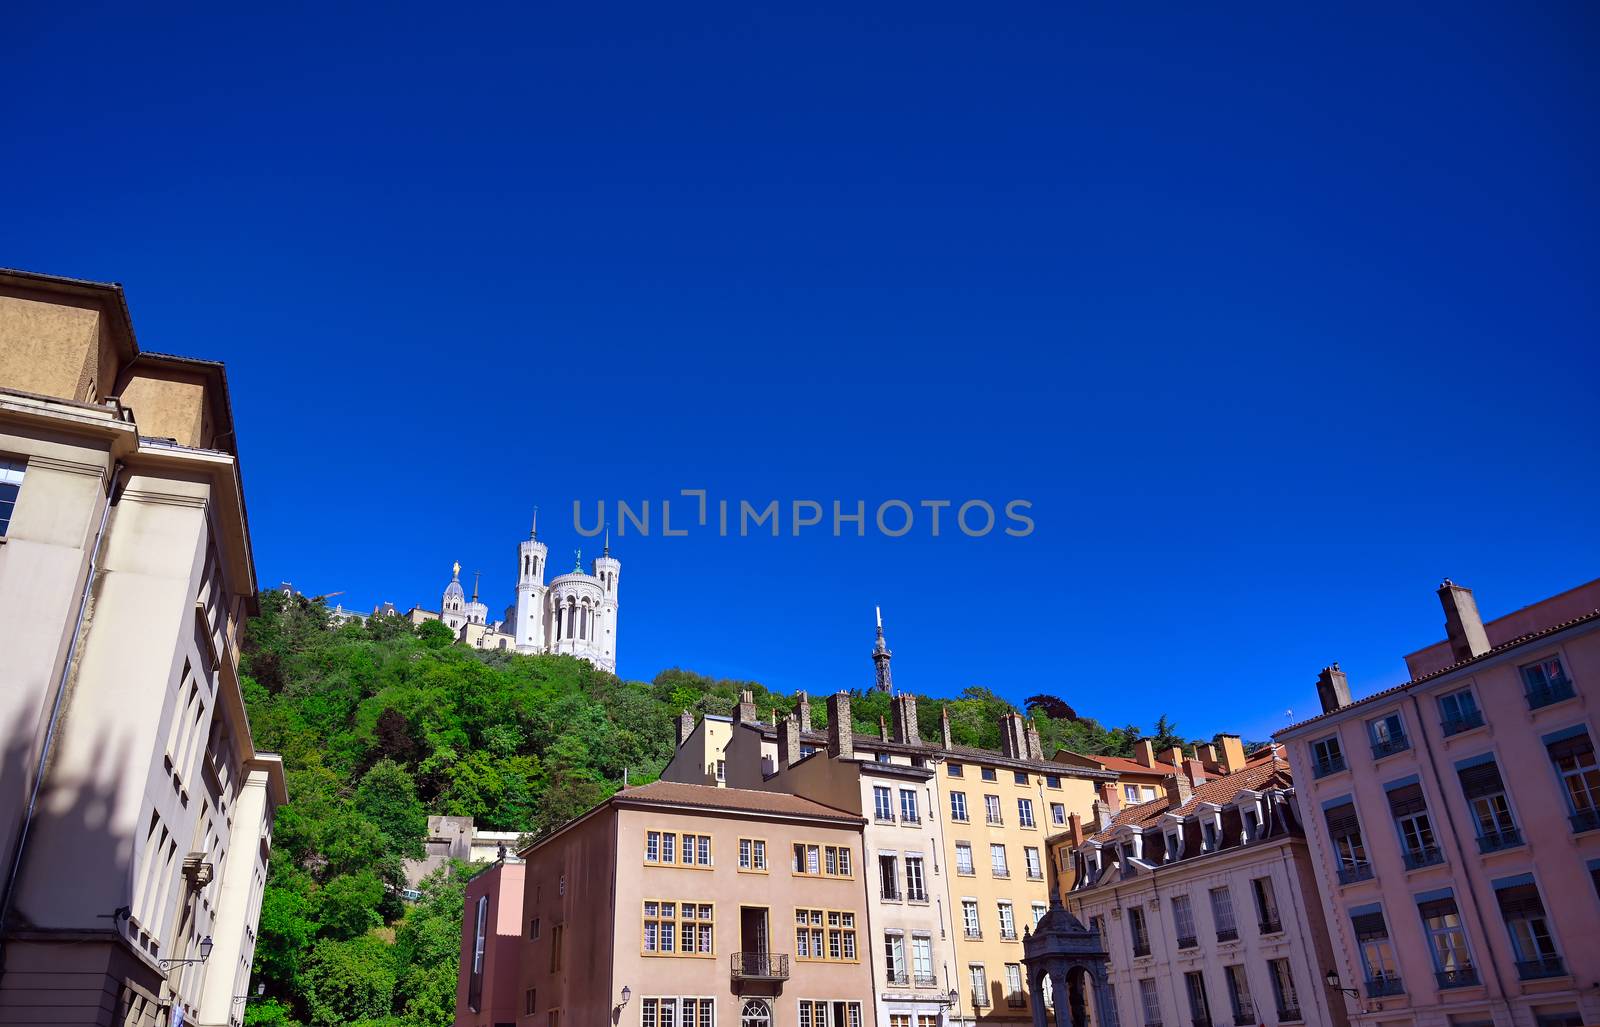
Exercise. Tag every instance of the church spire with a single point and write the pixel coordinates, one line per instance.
(880, 656)
(475, 576)
(607, 550)
(533, 532)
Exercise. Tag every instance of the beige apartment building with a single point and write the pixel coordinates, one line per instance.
(135, 811)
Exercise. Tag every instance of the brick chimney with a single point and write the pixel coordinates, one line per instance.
(1102, 815)
(747, 708)
(1110, 796)
(1207, 754)
(1179, 789)
(1332, 689)
(685, 726)
(1144, 752)
(883, 729)
(903, 707)
(1075, 833)
(1195, 769)
(944, 725)
(788, 742)
(1035, 747)
(1013, 737)
(841, 732)
(1462, 625)
(802, 709)
(1233, 757)
(1174, 757)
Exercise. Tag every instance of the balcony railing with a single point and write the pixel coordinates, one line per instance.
(993, 821)
(1290, 1015)
(1426, 856)
(899, 979)
(1244, 1018)
(760, 966)
(910, 818)
(1390, 746)
(892, 894)
(1585, 820)
(1035, 874)
(1273, 926)
(1494, 841)
(1202, 1021)
(1465, 722)
(1008, 935)
(926, 981)
(1141, 948)
(974, 932)
(1351, 873)
(1545, 695)
(1000, 871)
(1188, 943)
(1322, 768)
(1015, 1000)
(1380, 986)
(1227, 934)
(1533, 969)
(1461, 977)
(980, 999)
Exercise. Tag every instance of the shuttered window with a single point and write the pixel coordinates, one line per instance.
(1406, 800)
(1481, 780)
(1521, 900)
(1369, 926)
(1342, 819)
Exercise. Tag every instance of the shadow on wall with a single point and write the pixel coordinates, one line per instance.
(75, 857)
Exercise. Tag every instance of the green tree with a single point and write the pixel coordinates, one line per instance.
(349, 981)
(387, 798)
(347, 906)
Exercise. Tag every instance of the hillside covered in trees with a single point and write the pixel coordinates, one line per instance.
(381, 725)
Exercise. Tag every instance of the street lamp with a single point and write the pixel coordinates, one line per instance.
(1333, 982)
(205, 954)
(627, 993)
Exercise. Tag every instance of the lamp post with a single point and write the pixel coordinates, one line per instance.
(1333, 982)
(205, 954)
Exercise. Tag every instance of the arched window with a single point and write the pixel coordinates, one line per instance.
(572, 618)
(756, 1013)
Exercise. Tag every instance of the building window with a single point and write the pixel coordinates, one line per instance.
(1150, 1001)
(533, 929)
(1222, 914)
(811, 860)
(1244, 1009)
(1458, 712)
(953, 769)
(677, 1012)
(882, 803)
(997, 860)
(1030, 859)
(1058, 814)
(980, 986)
(1326, 756)
(1491, 809)
(1266, 905)
(1531, 940)
(1008, 921)
(1418, 847)
(1040, 908)
(922, 960)
(958, 807)
(722, 770)
(987, 773)
(753, 854)
(1199, 1008)
(11, 472)
(1452, 962)
(1377, 955)
(755, 1013)
(558, 938)
(1388, 736)
(1014, 997)
(908, 806)
(1283, 991)
(697, 850)
(1546, 682)
(814, 1013)
(894, 947)
(1572, 754)
(1139, 931)
(1130, 793)
(530, 1002)
(1025, 812)
(660, 847)
(1020, 777)
(969, 918)
(964, 858)
(678, 928)
(825, 934)
(1208, 834)
(888, 876)
(480, 934)
(1344, 830)
(1183, 921)
(916, 889)
(991, 809)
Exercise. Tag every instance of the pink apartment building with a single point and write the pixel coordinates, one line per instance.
(491, 936)
(1454, 823)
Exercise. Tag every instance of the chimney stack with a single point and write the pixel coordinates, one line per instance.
(1035, 746)
(1013, 737)
(1462, 625)
(841, 732)
(904, 709)
(747, 708)
(1179, 789)
(685, 727)
(788, 742)
(1075, 832)
(802, 709)
(1207, 753)
(1144, 752)
(1174, 757)
(883, 729)
(1233, 757)
(1102, 815)
(1333, 689)
(944, 725)
(1195, 769)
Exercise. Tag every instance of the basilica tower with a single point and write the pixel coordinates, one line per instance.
(531, 628)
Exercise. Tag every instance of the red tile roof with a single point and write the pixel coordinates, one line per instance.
(1270, 773)
(742, 800)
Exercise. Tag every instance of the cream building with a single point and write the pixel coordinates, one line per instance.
(135, 812)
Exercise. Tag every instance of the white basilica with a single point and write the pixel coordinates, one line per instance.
(576, 613)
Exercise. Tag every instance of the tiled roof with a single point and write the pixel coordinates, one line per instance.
(1521, 640)
(1273, 772)
(742, 800)
(964, 753)
(1124, 765)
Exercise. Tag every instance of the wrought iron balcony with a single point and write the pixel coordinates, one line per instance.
(1465, 722)
(899, 979)
(1202, 1021)
(1381, 986)
(1322, 768)
(1426, 856)
(1273, 926)
(1388, 747)
(1464, 976)
(1290, 1015)
(974, 932)
(910, 818)
(926, 981)
(1494, 841)
(1585, 820)
(1188, 943)
(1546, 695)
(1548, 966)
(1000, 872)
(760, 966)
(1246, 1018)
(1015, 1000)
(1006, 935)
(1227, 934)
(1350, 873)
(980, 999)
(1141, 948)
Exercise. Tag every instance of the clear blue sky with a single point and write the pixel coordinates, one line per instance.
(1276, 318)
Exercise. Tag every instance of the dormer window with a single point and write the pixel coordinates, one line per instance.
(1252, 825)
(1208, 835)
(1172, 846)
